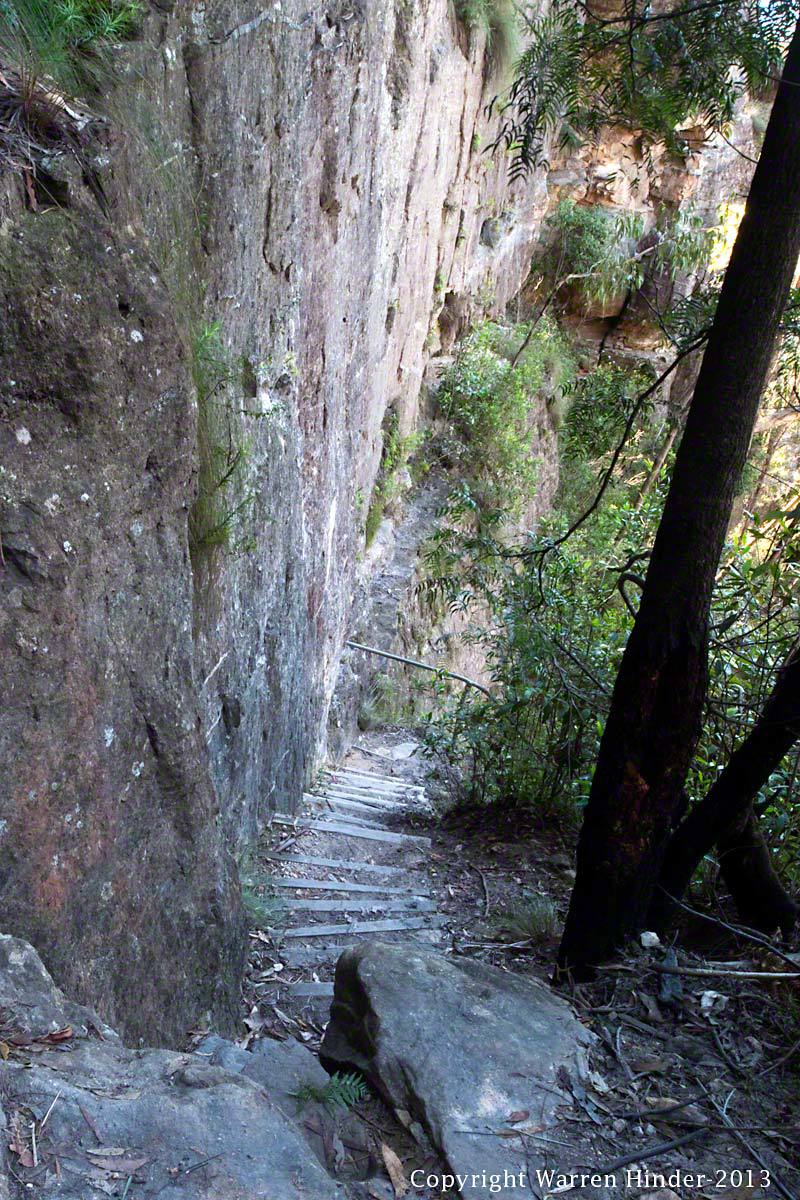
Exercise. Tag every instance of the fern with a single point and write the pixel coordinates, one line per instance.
(341, 1091)
(657, 73)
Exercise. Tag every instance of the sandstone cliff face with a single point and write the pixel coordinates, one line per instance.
(156, 709)
(152, 713)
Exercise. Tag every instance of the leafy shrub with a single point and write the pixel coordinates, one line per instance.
(600, 404)
(491, 402)
(600, 254)
(552, 624)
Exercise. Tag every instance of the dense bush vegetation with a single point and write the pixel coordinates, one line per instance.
(553, 622)
(492, 396)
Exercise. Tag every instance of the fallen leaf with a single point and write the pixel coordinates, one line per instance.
(515, 1117)
(5, 1049)
(57, 1035)
(110, 1162)
(395, 1170)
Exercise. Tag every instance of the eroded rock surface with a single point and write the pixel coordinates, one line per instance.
(460, 1046)
(179, 1127)
(111, 859)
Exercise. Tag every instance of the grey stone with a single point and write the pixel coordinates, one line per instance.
(458, 1044)
(180, 1126)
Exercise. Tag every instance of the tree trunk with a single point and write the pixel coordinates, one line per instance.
(761, 900)
(655, 715)
(723, 816)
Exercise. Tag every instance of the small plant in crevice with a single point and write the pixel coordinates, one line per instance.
(261, 902)
(53, 52)
(498, 21)
(342, 1091)
(215, 521)
(397, 452)
(67, 42)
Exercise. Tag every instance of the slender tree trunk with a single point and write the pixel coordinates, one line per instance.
(657, 467)
(724, 816)
(655, 715)
(760, 898)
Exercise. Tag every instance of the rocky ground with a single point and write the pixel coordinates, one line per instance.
(440, 1050)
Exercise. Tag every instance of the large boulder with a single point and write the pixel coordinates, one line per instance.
(84, 1114)
(462, 1047)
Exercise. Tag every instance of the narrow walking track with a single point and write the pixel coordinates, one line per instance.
(347, 868)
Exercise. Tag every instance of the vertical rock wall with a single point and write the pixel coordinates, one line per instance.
(338, 200)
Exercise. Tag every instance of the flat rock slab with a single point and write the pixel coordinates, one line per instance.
(460, 1045)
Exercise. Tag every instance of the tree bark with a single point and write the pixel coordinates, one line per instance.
(724, 816)
(655, 715)
(761, 900)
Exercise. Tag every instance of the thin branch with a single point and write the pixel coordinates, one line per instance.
(750, 935)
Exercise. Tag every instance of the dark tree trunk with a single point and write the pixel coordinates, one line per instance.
(724, 816)
(761, 900)
(655, 714)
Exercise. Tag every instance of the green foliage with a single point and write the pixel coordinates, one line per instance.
(491, 403)
(533, 918)
(498, 20)
(221, 502)
(263, 906)
(601, 403)
(601, 255)
(552, 624)
(341, 1091)
(67, 41)
(397, 451)
(659, 72)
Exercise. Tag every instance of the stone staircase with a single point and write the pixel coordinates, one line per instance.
(347, 869)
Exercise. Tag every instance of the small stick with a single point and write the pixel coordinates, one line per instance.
(196, 1166)
(486, 901)
(741, 930)
(774, 1066)
(723, 1116)
(33, 1144)
(50, 1109)
(651, 1151)
(701, 971)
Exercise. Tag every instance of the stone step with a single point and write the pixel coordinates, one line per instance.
(331, 808)
(357, 927)
(369, 803)
(313, 989)
(363, 788)
(380, 783)
(313, 956)
(339, 885)
(361, 904)
(354, 831)
(336, 864)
